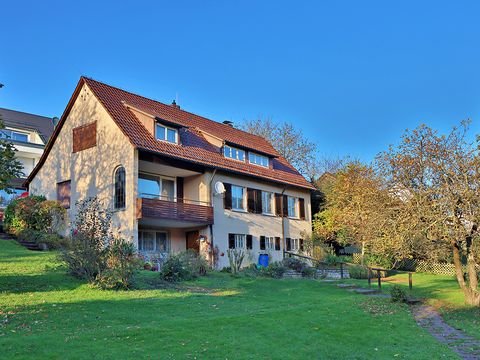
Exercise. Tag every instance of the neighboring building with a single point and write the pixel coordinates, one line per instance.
(29, 133)
(174, 180)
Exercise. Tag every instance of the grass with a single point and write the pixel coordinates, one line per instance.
(47, 314)
(443, 293)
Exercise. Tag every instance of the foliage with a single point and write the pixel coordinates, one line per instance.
(294, 264)
(186, 265)
(358, 272)
(51, 240)
(10, 167)
(122, 262)
(235, 258)
(290, 142)
(398, 294)
(274, 270)
(20, 214)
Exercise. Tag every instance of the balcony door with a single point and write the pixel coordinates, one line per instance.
(156, 187)
(192, 241)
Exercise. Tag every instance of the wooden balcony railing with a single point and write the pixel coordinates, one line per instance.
(174, 209)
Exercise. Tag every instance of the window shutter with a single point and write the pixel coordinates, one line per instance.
(64, 193)
(277, 243)
(262, 242)
(285, 205)
(180, 189)
(251, 200)
(231, 241)
(289, 244)
(278, 204)
(227, 200)
(301, 244)
(258, 201)
(301, 202)
(249, 242)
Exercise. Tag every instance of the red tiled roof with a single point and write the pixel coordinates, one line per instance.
(193, 146)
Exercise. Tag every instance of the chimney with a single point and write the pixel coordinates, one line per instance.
(229, 123)
(174, 104)
(55, 121)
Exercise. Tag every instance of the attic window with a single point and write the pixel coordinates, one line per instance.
(257, 159)
(233, 153)
(165, 133)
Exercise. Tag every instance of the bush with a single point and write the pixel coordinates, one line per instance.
(186, 265)
(358, 272)
(274, 270)
(52, 241)
(121, 264)
(308, 271)
(36, 213)
(294, 264)
(398, 294)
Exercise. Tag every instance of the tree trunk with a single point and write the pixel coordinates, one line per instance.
(470, 289)
(457, 261)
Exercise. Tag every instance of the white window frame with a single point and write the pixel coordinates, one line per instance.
(165, 134)
(264, 202)
(16, 132)
(240, 241)
(270, 243)
(294, 244)
(155, 250)
(295, 207)
(244, 202)
(228, 153)
(257, 159)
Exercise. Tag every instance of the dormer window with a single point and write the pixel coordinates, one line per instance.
(233, 153)
(257, 159)
(13, 135)
(166, 133)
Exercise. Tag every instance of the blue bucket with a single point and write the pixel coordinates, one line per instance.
(263, 260)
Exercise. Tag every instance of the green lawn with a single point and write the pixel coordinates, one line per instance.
(443, 293)
(47, 314)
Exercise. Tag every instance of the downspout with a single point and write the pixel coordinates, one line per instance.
(211, 203)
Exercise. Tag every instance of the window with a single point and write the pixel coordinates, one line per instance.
(7, 195)
(13, 135)
(167, 134)
(270, 243)
(84, 137)
(153, 241)
(240, 241)
(238, 202)
(257, 159)
(233, 153)
(267, 202)
(292, 206)
(63, 193)
(295, 244)
(119, 183)
(153, 187)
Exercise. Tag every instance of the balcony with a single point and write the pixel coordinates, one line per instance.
(173, 212)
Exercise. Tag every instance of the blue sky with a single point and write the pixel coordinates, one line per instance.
(351, 74)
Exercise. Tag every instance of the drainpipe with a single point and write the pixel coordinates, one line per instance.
(283, 223)
(211, 203)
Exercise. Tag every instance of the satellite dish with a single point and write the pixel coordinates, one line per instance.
(219, 187)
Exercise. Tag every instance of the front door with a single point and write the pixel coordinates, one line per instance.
(192, 240)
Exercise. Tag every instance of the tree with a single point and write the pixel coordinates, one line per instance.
(289, 142)
(437, 179)
(351, 214)
(10, 167)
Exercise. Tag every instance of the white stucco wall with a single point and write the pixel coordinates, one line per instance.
(230, 221)
(91, 171)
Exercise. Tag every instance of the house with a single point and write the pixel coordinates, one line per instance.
(174, 180)
(29, 133)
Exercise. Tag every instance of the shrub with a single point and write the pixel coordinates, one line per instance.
(186, 265)
(235, 258)
(398, 294)
(294, 264)
(121, 264)
(308, 271)
(358, 272)
(52, 241)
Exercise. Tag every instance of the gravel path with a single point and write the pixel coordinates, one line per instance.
(464, 345)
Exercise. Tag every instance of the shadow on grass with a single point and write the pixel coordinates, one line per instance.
(37, 283)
